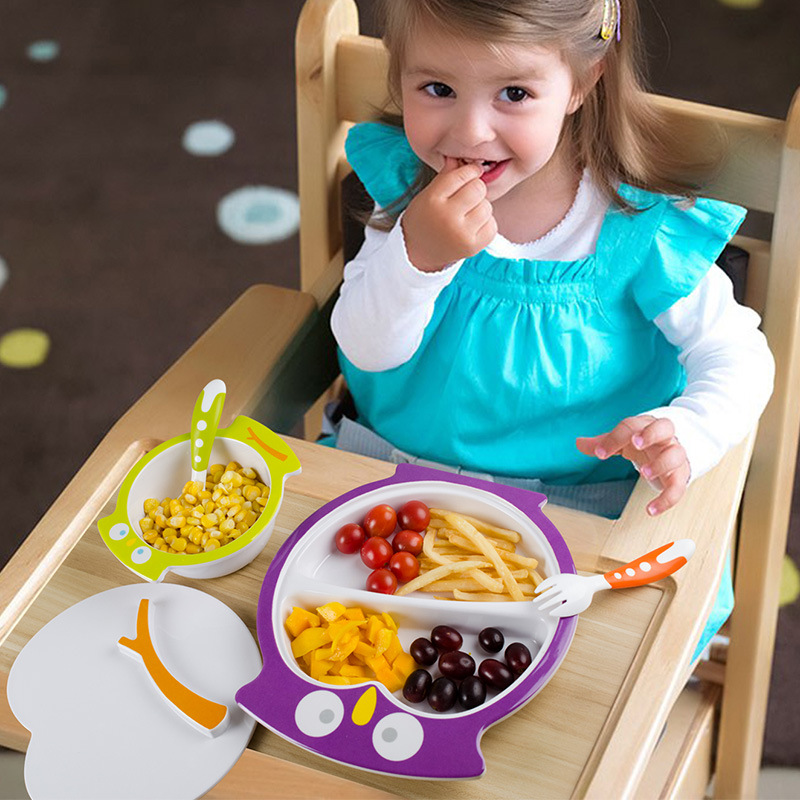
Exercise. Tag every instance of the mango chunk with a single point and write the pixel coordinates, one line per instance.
(404, 665)
(310, 639)
(344, 646)
(331, 611)
(299, 620)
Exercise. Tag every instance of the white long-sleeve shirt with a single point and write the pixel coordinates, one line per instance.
(385, 304)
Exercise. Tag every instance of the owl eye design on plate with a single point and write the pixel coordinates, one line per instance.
(397, 737)
(319, 713)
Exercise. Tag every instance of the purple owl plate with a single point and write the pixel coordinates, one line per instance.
(365, 725)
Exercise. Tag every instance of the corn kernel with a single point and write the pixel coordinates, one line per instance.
(249, 472)
(251, 492)
(234, 510)
(178, 521)
(161, 521)
(250, 517)
(191, 549)
(204, 495)
(261, 501)
(159, 542)
(190, 499)
(198, 512)
(146, 524)
(233, 466)
(227, 526)
(151, 504)
(150, 537)
(211, 544)
(179, 544)
(209, 520)
(196, 536)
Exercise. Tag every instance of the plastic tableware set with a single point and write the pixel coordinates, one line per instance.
(157, 662)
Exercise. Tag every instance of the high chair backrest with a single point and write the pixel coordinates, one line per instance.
(341, 79)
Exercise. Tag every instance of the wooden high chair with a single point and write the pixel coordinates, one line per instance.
(286, 364)
(341, 80)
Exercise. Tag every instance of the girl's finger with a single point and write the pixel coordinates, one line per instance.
(480, 215)
(674, 488)
(616, 440)
(660, 430)
(664, 461)
(452, 178)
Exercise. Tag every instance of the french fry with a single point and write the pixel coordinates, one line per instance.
(524, 561)
(471, 585)
(477, 560)
(461, 541)
(483, 597)
(469, 531)
(492, 584)
(437, 574)
(483, 527)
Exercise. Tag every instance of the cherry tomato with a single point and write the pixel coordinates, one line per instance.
(349, 538)
(380, 521)
(414, 516)
(404, 566)
(376, 552)
(408, 542)
(382, 580)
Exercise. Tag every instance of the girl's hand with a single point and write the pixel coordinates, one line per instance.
(449, 219)
(651, 446)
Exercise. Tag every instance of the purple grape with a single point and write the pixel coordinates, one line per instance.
(457, 665)
(472, 692)
(491, 640)
(423, 651)
(518, 657)
(417, 685)
(442, 694)
(446, 638)
(495, 673)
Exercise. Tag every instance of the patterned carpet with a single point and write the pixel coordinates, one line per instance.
(141, 144)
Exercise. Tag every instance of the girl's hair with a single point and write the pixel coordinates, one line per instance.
(617, 133)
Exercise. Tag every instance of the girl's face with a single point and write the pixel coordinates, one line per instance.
(503, 107)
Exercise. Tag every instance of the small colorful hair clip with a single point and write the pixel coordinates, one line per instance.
(611, 20)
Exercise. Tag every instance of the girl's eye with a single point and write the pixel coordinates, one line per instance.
(513, 94)
(438, 89)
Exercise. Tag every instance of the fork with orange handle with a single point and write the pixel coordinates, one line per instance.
(566, 594)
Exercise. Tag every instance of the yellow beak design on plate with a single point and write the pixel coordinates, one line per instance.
(365, 707)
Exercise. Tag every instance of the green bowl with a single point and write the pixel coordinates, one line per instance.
(164, 471)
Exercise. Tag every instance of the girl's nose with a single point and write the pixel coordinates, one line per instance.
(472, 127)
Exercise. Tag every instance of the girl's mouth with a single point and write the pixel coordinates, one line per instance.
(491, 169)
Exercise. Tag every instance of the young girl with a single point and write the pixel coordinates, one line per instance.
(535, 299)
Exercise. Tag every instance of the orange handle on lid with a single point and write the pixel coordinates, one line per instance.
(208, 716)
(655, 565)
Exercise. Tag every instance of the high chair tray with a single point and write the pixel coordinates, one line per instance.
(560, 745)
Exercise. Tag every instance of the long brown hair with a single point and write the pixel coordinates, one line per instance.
(618, 133)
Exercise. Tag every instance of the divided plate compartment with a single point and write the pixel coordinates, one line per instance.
(163, 471)
(399, 737)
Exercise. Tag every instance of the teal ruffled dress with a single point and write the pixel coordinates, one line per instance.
(522, 356)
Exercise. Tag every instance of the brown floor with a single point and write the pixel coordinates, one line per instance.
(108, 226)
